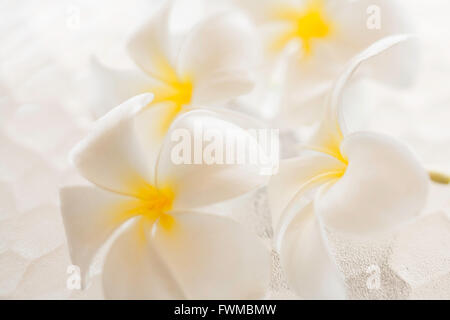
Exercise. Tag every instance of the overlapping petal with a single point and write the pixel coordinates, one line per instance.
(357, 30)
(294, 175)
(198, 174)
(150, 47)
(151, 126)
(318, 60)
(111, 156)
(90, 216)
(196, 260)
(113, 86)
(218, 55)
(383, 187)
(375, 185)
(135, 269)
(306, 259)
(222, 86)
(145, 260)
(214, 257)
(333, 127)
(259, 10)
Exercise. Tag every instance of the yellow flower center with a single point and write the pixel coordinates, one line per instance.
(179, 92)
(307, 24)
(332, 147)
(174, 90)
(330, 144)
(152, 204)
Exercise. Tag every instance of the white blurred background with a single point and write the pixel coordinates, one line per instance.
(45, 49)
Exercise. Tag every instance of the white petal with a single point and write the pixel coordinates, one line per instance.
(307, 83)
(303, 106)
(333, 126)
(219, 51)
(150, 47)
(215, 258)
(111, 156)
(238, 118)
(221, 86)
(356, 24)
(116, 86)
(305, 80)
(383, 187)
(197, 182)
(90, 216)
(260, 10)
(399, 66)
(134, 269)
(306, 259)
(151, 127)
(292, 177)
(195, 260)
(334, 108)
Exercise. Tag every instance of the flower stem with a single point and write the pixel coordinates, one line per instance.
(439, 177)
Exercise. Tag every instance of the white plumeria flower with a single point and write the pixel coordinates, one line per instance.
(210, 64)
(362, 183)
(165, 249)
(316, 38)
